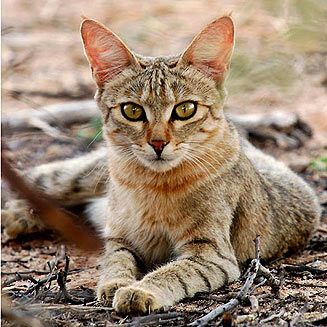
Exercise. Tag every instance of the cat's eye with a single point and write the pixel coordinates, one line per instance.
(132, 111)
(184, 110)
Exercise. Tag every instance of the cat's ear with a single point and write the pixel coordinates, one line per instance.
(211, 50)
(107, 54)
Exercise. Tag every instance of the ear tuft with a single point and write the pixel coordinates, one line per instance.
(211, 50)
(107, 54)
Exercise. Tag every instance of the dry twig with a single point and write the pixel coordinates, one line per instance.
(19, 277)
(62, 279)
(297, 318)
(254, 267)
(302, 268)
(49, 212)
(273, 316)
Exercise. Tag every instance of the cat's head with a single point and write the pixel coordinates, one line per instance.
(161, 111)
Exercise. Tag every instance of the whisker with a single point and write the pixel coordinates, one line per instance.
(94, 138)
(200, 164)
(197, 151)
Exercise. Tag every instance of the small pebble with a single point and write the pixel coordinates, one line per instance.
(316, 264)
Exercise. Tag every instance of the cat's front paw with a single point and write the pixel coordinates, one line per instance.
(18, 218)
(107, 290)
(135, 300)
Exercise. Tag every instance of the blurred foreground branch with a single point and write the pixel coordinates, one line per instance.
(63, 114)
(49, 212)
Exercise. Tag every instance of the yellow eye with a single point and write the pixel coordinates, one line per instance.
(185, 110)
(132, 111)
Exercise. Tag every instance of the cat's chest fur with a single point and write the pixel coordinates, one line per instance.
(151, 221)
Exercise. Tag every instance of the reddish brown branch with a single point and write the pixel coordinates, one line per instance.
(49, 212)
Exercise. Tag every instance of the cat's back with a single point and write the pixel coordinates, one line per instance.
(276, 172)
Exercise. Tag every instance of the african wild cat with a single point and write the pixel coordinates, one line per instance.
(185, 195)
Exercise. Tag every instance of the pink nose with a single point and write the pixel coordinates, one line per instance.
(158, 146)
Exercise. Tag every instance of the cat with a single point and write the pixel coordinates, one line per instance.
(178, 194)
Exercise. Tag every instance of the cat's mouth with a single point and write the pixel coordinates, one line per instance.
(160, 159)
(160, 164)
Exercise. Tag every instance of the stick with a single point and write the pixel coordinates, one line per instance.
(17, 278)
(49, 212)
(61, 279)
(301, 268)
(272, 317)
(254, 267)
(37, 272)
(151, 319)
(268, 275)
(296, 319)
(64, 114)
(73, 307)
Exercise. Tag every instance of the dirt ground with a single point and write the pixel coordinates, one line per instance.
(43, 63)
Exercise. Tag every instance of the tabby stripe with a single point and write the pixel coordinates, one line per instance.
(207, 263)
(115, 239)
(183, 284)
(213, 245)
(138, 261)
(204, 278)
(226, 279)
(214, 117)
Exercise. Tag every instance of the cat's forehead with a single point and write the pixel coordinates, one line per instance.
(162, 82)
(157, 62)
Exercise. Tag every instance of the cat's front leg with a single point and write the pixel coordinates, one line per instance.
(201, 266)
(121, 267)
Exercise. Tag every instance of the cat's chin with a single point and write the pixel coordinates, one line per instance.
(160, 165)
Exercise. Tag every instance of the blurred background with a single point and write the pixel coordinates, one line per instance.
(279, 63)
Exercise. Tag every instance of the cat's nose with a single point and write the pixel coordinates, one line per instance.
(158, 146)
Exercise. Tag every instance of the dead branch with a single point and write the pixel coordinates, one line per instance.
(303, 268)
(17, 278)
(151, 319)
(83, 92)
(277, 119)
(62, 279)
(273, 316)
(306, 284)
(258, 285)
(39, 284)
(254, 267)
(49, 211)
(254, 303)
(47, 128)
(286, 130)
(62, 114)
(298, 317)
(37, 272)
(267, 274)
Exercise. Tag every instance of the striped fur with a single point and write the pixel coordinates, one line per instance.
(185, 223)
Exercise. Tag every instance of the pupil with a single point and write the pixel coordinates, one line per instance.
(134, 110)
(184, 108)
